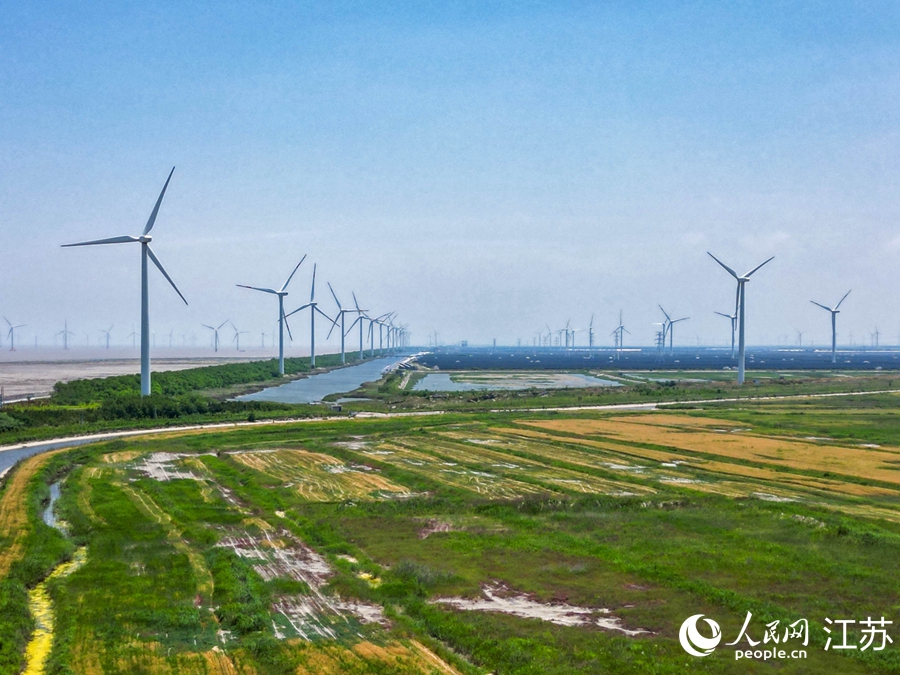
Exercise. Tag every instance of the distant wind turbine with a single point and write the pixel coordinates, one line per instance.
(739, 303)
(106, 332)
(215, 330)
(146, 253)
(341, 315)
(282, 321)
(12, 333)
(834, 312)
(733, 318)
(361, 316)
(65, 332)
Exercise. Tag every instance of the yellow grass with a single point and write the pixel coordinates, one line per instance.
(319, 477)
(693, 435)
(14, 510)
(602, 453)
(475, 450)
(41, 608)
(404, 657)
(483, 483)
(122, 456)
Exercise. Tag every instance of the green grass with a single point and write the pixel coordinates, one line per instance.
(653, 560)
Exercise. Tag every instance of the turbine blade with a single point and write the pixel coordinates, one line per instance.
(110, 240)
(163, 269)
(312, 288)
(284, 287)
(727, 268)
(354, 300)
(842, 299)
(256, 288)
(223, 323)
(287, 325)
(297, 310)
(152, 219)
(821, 305)
(760, 265)
(334, 295)
(664, 312)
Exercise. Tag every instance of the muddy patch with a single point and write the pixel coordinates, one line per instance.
(313, 616)
(435, 526)
(500, 598)
(161, 466)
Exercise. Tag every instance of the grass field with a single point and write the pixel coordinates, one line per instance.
(528, 542)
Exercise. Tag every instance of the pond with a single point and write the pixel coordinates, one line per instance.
(487, 381)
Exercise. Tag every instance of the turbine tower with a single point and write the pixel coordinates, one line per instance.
(146, 253)
(739, 304)
(313, 308)
(282, 321)
(106, 331)
(834, 312)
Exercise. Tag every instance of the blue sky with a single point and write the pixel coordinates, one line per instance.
(483, 168)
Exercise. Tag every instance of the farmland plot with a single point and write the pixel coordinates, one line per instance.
(319, 477)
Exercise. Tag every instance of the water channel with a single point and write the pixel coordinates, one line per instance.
(314, 388)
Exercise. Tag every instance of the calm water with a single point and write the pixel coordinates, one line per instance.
(49, 516)
(442, 382)
(315, 388)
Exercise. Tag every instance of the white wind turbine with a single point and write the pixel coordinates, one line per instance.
(12, 333)
(834, 312)
(106, 331)
(215, 330)
(362, 316)
(733, 318)
(146, 253)
(65, 332)
(739, 304)
(313, 308)
(341, 314)
(282, 321)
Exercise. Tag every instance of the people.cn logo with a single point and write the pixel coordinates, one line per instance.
(694, 643)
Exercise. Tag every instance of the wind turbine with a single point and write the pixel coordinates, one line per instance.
(65, 332)
(739, 304)
(146, 253)
(237, 337)
(341, 314)
(215, 330)
(106, 332)
(12, 333)
(132, 335)
(834, 312)
(591, 333)
(619, 334)
(360, 318)
(313, 308)
(282, 321)
(733, 318)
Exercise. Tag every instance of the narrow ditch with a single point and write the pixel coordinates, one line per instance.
(39, 603)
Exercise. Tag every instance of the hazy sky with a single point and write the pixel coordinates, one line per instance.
(482, 168)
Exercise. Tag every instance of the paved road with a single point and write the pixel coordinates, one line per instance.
(10, 454)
